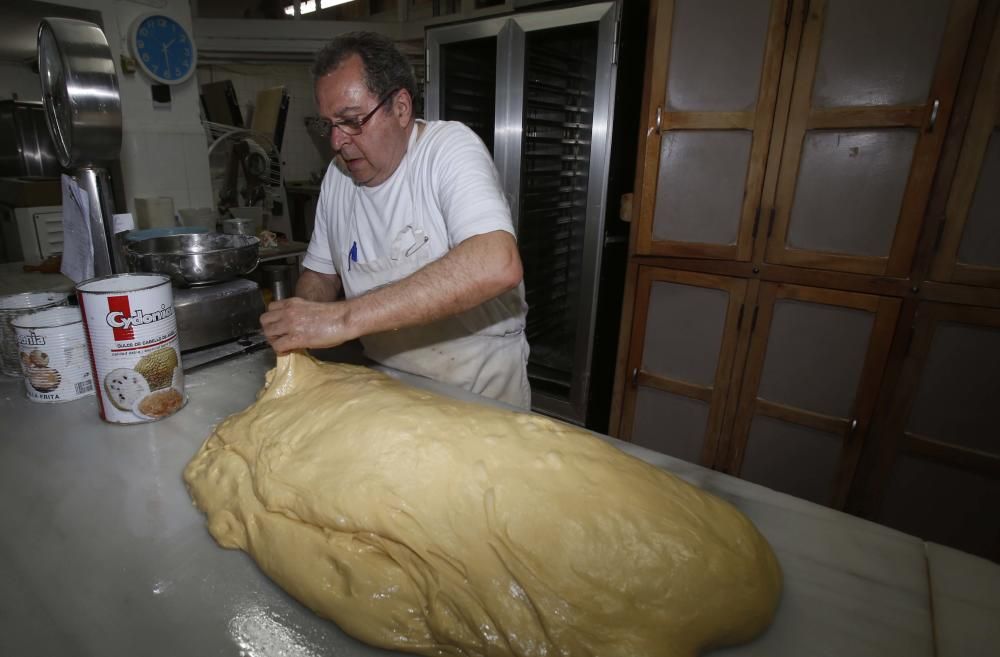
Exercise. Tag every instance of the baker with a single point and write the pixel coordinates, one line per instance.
(412, 230)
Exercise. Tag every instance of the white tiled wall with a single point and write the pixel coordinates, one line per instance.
(301, 157)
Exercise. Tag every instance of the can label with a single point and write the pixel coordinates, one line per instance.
(135, 352)
(54, 356)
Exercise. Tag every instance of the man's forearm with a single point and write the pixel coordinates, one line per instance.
(478, 269)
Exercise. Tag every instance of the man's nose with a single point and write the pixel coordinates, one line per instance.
(338, 138)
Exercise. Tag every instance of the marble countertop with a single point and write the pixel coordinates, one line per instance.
(102, 552)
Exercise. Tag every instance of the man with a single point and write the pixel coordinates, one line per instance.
(412, 226)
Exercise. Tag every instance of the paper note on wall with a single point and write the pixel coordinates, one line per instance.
(78, 246)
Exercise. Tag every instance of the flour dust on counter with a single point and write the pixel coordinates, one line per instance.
(420, 523)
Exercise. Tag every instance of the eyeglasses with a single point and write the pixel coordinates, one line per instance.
(353, 126)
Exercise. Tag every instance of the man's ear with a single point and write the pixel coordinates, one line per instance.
(402, 107)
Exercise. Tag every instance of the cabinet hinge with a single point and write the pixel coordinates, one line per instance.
(753, 320)
(756, 221)
(770, 223)
(739, 319)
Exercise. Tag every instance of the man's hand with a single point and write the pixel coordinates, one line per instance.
(295, 323)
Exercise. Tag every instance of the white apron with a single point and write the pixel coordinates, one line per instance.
(445, 350)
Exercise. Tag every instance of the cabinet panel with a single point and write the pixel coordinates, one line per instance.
(956, 400)
(872, 93)
(685, 326)
(699, 194)
(716, 54)
(836, 208)
(872, 61)
(813, 369)
(938, 471)
(970, 242)
(981, 239)
(796, 459)
(821, 344)
(712, 80)
(670, 423)
(683, 345)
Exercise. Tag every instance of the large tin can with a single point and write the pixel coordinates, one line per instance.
(132, 332)
(54, 355)
(16, 305)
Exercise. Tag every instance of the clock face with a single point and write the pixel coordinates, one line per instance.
(163, 49)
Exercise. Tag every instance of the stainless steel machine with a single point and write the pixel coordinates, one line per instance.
(84, 114)
(217, 316)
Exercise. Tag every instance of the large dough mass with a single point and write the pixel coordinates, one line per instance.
(421, 523)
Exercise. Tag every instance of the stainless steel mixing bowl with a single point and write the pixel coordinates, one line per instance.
(195, 259)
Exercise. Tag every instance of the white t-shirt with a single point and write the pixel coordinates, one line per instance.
(444, 191)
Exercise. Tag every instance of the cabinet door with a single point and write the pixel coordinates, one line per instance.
(873, 88)
(812, 376)
(683, 345)
(941, 478)
(970, 244)
(712, 81)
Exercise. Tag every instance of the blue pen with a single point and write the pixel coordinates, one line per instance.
(352, 255)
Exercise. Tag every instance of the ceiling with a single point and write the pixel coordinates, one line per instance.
(19, 26)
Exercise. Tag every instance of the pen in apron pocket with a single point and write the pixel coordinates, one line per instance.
(352, 255)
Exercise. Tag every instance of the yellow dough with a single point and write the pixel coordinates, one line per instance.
(421, 523)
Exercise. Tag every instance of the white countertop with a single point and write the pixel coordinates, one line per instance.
(102, 553)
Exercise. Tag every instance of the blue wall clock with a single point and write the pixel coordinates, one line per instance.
(163, 49)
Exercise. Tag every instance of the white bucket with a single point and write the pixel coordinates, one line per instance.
(54, 355)
(15, 305)
(132, 332)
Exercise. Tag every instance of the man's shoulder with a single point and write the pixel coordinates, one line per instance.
(446, 132)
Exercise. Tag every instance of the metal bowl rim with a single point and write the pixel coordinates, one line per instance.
(253, 242)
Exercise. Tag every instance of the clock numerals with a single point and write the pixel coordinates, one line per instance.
(164, 48)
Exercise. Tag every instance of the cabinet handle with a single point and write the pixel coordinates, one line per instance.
(659, 119)
(635, 377)
(854, 425)
(935, 109)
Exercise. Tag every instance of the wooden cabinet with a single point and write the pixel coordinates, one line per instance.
(872, 94)
(710, 125)
(681, 361)
(939, 469)
(970, 240)
(812, 376)
(791, 315)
